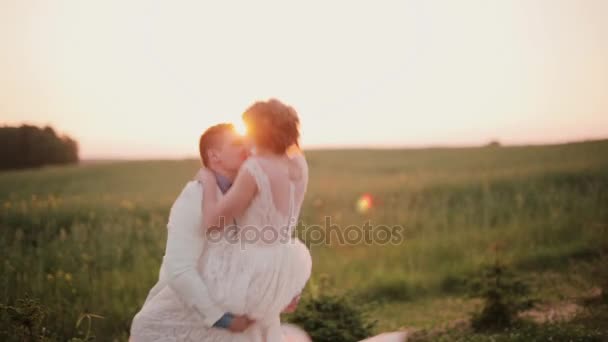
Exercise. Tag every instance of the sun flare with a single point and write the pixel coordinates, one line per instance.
(240, 128)
(364, 203)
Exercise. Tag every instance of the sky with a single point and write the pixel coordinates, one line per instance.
(144, 78)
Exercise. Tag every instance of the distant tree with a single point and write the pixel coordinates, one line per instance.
(29, 146)
(493, 143)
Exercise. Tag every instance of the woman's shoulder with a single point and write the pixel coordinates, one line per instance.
(298, 166)
(253, 165)
(261, 164)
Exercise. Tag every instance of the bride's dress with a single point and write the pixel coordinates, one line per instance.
(259, 273)
(256, 271)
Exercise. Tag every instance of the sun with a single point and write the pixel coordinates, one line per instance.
(240, 128)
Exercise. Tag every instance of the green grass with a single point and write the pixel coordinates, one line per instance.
(89, 239)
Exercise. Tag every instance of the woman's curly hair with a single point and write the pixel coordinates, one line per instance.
(273, 125)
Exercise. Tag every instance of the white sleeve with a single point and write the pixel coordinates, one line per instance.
(185, 245)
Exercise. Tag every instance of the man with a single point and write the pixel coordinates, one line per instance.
(180, 290)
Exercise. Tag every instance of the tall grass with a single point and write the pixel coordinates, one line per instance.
(89, 239)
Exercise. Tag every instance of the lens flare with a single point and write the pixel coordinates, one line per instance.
(240, 128)
(364, 203)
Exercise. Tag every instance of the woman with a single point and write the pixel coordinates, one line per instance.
(258, 269)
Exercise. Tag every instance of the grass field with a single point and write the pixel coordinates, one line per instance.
(89, 239)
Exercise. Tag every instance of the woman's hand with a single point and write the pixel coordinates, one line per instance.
(205, 176)
(219, 210)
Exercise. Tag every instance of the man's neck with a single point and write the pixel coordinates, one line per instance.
(225, 173)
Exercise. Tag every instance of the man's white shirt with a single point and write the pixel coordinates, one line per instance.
(185, 244)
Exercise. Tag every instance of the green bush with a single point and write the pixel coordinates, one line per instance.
(332, 318)
(28, 320)
(503, 295)
(601, 272)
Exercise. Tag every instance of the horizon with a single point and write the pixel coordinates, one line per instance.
(362, 148)
(383, 75)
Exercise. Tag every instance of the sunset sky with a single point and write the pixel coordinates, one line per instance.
(143, 79)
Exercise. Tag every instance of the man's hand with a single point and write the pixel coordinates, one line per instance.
(240, 323)
(291, 307)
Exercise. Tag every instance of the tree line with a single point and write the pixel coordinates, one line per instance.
(29, 146)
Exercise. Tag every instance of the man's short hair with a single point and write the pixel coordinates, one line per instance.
(210, 138)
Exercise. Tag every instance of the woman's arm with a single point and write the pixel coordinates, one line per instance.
(300, 173)
(218, 211)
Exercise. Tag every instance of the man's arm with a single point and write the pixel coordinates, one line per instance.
(185, 245)
(184, 248)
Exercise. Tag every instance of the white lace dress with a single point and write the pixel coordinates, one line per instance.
(256, 271)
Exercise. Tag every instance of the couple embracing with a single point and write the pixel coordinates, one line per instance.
(231, 264)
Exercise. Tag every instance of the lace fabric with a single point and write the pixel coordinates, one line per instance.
(253, 276)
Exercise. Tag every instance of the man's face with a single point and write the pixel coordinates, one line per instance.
(232, 151)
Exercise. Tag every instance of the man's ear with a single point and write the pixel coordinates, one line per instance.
(213, 156)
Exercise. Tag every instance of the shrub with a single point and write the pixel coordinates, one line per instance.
(503, 295)
(27, 318)
(332, 318)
